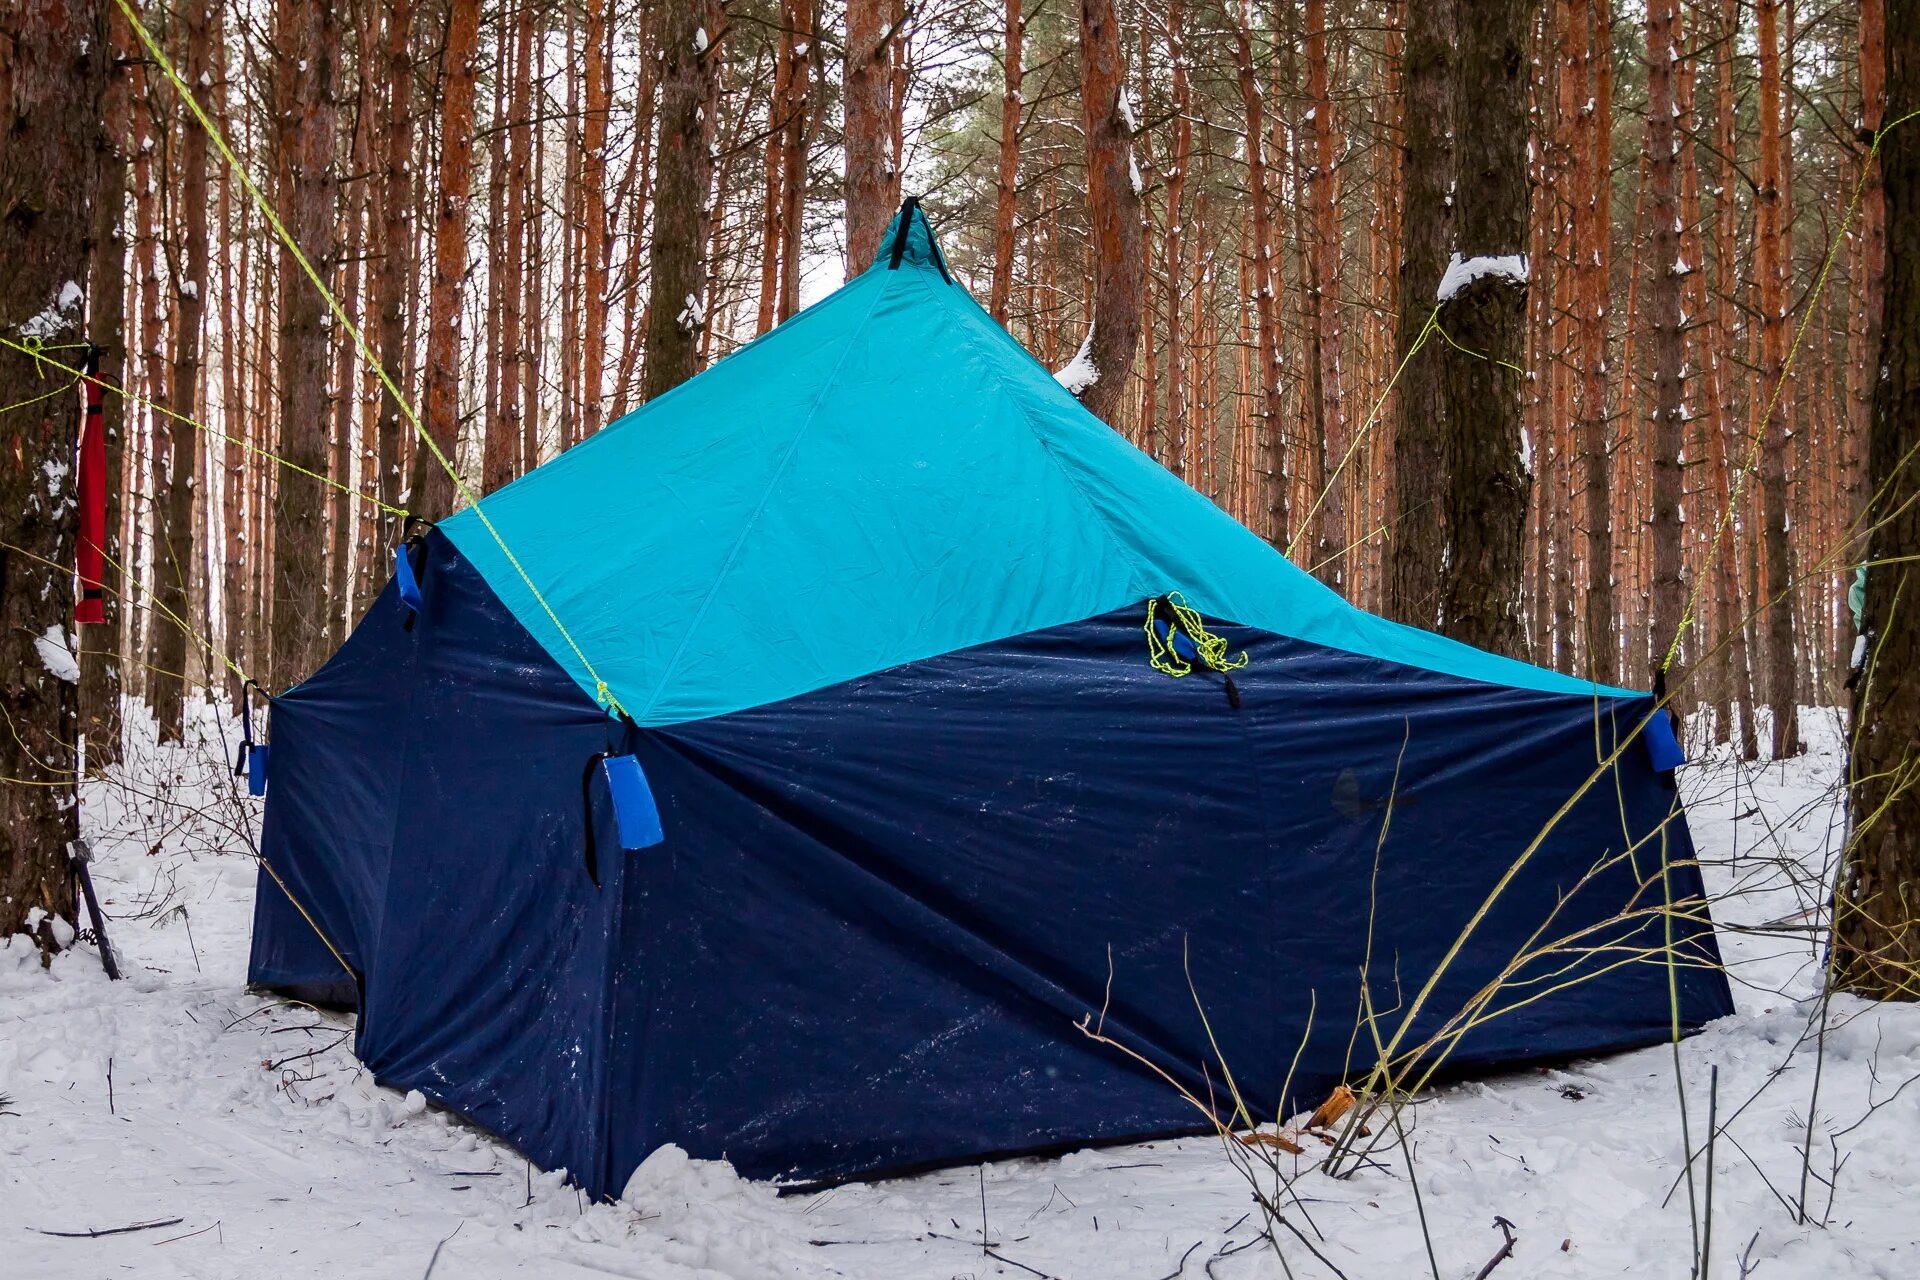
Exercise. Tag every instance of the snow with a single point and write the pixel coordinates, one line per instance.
(62, 311)
(57, 656)
(1080, 372)
(178, 1094)
(692, 315)
(700, 40)
(1510, 266)
(1133, 173)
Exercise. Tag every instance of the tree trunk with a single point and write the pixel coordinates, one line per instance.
(1417, 535)
(594, 242)
(1321, 218)
(1271, 501)
(433, 487)
(1007, 187)
(395, 264)
(1877, 917)
(1664, 320)
(1773, 264)
(1487, 481)
(501, 458)
(308, 42)
(176, 446)
(1113, 197)
(51, 94)
(1173, 264)
(689, 92)
(1585, 35)
(867, 100)
(797, 137)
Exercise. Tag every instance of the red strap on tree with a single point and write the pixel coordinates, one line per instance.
(90, 548)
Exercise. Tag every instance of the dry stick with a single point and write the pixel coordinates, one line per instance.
(1035, 1271)
(1420, 1206)
(1706, 1226)
(1324, 1259)
(1506, 1249)
(984, 1241)
(1175, 1273)
(1679, 1076)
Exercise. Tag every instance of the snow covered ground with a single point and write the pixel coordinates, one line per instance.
(245, 1126)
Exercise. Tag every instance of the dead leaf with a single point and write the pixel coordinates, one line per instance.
(1338, 1103)
(1280, 1140)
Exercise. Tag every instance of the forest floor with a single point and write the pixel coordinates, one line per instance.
(244, 1131)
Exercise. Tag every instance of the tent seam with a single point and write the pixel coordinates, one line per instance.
(766, 496)
(1137, 579)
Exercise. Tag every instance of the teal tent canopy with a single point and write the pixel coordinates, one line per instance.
(886, 477)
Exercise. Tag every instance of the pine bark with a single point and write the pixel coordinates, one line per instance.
(595, 246)
(394, 267)
(433, 487)
(867, 101)
(1877, 919)
(1487, 482)
(51, 94)
(1113, 198)
(1417, 537)
(1270, 500)
(1585, 35)
(1007, 183)
(1173, 264)
(1773, 264)
(689, 92)
(501, 459)
(176, 445)
(1663, 323)
(1321, 218)
(796, 142)
(307, 38)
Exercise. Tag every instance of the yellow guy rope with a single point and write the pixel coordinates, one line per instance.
(269, 455)
(602, 694)
(1427, 330)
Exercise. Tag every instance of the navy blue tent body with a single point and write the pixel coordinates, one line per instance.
(894, 881)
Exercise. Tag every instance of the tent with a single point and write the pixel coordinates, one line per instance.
(870, 599)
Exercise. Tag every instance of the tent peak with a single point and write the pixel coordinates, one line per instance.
(910, 241)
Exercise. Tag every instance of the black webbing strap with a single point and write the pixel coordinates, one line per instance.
(907, 209)
(246, 729)
(586, 808)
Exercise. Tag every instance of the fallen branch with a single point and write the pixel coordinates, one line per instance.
(1506, 1249)
(114, 1231)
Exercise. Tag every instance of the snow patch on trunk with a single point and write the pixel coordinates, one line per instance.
(56, 655)
(1080, 372)
(1460, 274)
